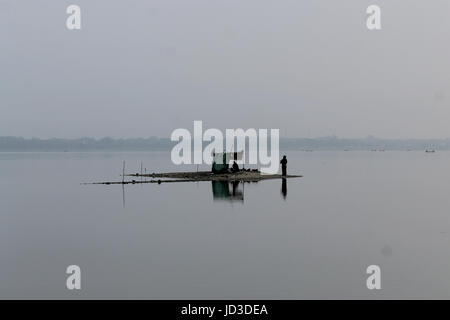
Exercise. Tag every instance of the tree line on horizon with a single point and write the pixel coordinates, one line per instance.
(165, 144)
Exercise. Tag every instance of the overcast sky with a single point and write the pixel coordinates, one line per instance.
(140, 68)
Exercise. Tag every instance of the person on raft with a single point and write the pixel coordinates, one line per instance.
(235, 167)
(283, 166)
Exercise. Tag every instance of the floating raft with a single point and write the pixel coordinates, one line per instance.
(171, 177)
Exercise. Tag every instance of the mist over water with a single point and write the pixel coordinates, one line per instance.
(169, 241)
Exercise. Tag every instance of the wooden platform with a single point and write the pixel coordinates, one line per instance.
(209, 176)
(172, 177)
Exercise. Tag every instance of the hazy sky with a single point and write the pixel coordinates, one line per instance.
(140, 68)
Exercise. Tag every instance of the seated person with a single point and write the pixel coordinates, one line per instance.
(235, 167)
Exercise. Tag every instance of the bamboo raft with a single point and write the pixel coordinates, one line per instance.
(172, 177)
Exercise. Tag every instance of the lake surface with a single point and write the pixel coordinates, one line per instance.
(195, 240)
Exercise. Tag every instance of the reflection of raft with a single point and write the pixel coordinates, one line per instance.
(221, 191)
(243, 175)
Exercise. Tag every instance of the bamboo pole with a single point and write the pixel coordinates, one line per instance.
(123, 171)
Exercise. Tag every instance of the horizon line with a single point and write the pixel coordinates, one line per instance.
(368, 137)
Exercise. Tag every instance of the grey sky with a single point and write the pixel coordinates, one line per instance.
(140, 68)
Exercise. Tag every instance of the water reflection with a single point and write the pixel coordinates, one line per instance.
(221, 191)
(123, 195)
(234, 190)
(284, 188)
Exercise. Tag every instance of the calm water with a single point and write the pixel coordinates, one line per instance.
(170, 241)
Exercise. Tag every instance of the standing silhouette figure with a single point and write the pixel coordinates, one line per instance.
(284, 166)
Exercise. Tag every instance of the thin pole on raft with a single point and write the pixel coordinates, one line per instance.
(123, 172)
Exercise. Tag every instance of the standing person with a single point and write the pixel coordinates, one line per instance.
(284, 165)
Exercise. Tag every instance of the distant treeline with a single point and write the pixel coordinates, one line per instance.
(84, 144)
(164, 144)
